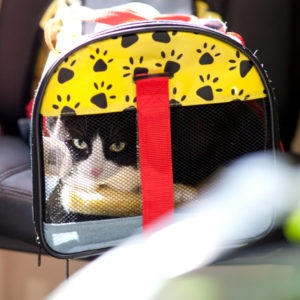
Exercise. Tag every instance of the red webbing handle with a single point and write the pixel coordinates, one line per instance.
(154, 135)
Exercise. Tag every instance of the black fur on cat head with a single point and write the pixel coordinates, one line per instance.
(114, 129)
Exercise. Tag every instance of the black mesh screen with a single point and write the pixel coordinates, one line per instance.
(206, 137)
(91, 162)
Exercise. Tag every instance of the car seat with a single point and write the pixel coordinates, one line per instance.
(19, 41)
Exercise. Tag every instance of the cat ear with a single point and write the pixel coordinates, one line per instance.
(57, 158)
(50, 124)
(55, 127)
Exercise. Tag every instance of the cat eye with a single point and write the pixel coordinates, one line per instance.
(117, 147)
(80, 144)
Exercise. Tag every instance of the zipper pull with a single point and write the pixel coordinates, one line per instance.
(67, 268)
(39, 262)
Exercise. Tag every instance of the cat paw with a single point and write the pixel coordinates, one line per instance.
(57, 162)
(184, 194)
(127, 179)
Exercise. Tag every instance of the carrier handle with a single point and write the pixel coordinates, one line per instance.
(154, 135)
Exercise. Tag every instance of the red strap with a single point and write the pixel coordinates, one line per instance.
(154, 133)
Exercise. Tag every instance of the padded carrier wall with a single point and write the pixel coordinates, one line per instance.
(129, 109)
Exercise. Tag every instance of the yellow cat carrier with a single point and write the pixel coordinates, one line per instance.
(131, 122)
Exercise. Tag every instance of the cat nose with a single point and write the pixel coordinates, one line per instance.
(95, 172)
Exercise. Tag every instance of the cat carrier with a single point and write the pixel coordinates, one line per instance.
(133, 122)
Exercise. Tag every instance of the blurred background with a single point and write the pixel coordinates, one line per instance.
(270, 27)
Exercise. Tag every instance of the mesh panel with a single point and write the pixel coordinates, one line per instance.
(91, 162)
(91, 167)
(206, 137)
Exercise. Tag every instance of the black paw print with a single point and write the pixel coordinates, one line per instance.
(207, 54)
(65, 109)
(163, 36)
(132, 69)
(243, 65)
(174, 100)
(129, 40)
(129, 100)
(207, 92)
(100, 99)
(171, 66)
(239, 95)
(100, 64)
(65, 74)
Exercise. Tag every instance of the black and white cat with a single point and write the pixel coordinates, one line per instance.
(102, 149)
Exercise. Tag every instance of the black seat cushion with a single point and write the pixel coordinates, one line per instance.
(20, 37)
(16, 225)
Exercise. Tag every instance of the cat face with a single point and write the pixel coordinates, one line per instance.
(99, 147)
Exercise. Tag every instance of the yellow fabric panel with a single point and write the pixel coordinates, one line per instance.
(98, 78)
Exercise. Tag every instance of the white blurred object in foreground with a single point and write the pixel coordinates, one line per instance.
(249, 199)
